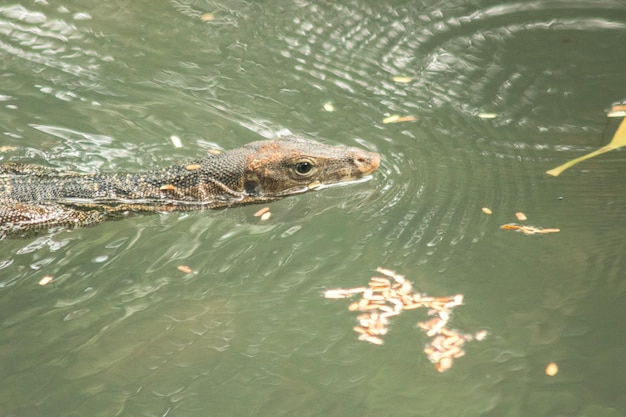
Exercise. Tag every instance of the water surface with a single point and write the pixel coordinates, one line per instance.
(121, 331)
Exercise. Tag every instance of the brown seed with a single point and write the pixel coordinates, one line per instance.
(266, 216)
(192, 167)
(460, 353)
(353, 306)
(185, 269)
(453, 340)
(429, 350)
(360, 329)
(386, 315)
(167, 187)
(397, 303)
(207, 17)
(487, 211)
(374, 340)
(436, 328)
(214, 151)
(520, 216)
(386, 309)
(336, 293)
(413, 306)
(444, 364)
(378, 280)
(552, 369)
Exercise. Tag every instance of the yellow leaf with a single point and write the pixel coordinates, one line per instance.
(619, 140)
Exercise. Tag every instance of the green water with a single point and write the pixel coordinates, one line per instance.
(91, 85)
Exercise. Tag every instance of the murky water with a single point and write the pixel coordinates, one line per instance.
(88, 85)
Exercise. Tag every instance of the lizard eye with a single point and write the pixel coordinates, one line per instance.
(304, 168)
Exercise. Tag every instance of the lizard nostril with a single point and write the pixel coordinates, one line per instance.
(367, 162)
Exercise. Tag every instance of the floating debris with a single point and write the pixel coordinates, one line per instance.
(402, 80)
(45, 280)
(487, 115)
(192, 167)
(207, 17)
(261, 212)
(184, 268)
(214, 151)
(529, 230)
(387, 297)
(487, 211)
(176, 141)
(521, 216)
(618, 110)
(398, 119)
(329, 107)
(618, 141)
(552, 369)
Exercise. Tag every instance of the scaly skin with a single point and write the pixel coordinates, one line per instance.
(34, 197)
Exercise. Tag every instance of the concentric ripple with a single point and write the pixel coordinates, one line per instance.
(519, 61)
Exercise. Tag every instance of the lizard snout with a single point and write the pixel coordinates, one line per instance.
(366, 162)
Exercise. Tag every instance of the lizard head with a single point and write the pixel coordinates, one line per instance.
(291, 165)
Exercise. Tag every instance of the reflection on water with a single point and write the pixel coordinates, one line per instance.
(120, 330)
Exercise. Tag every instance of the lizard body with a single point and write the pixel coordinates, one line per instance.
(35, 197)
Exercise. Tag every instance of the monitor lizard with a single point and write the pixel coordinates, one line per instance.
(36, 197)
